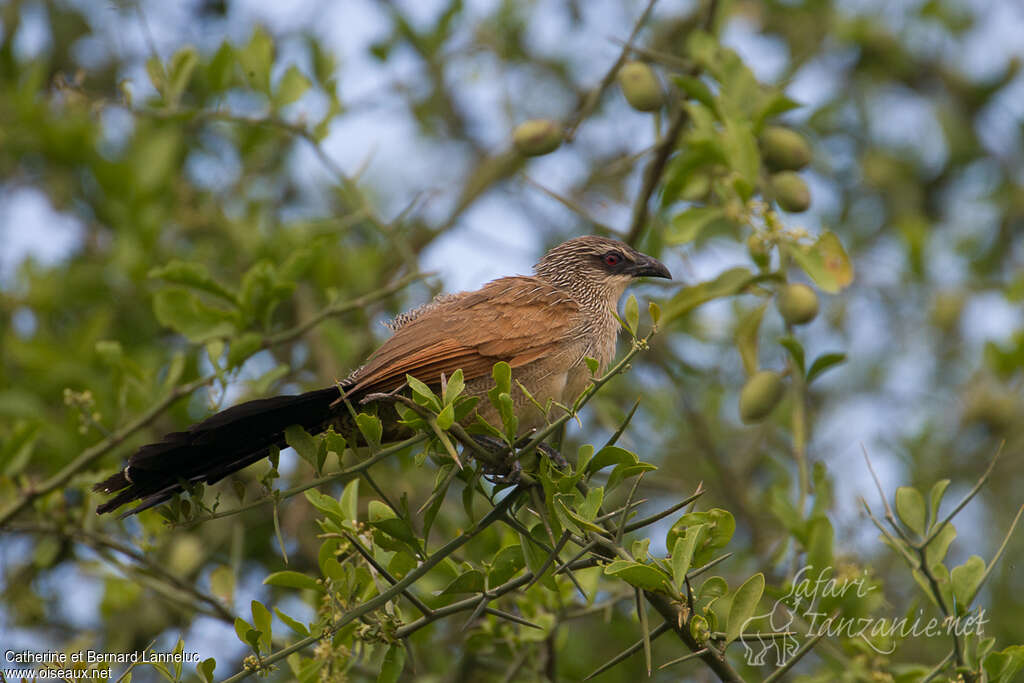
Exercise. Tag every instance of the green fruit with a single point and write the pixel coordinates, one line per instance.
(798, 304)
(536, 137)
(784, 149)
(790, 191)
(640, 86)
(760, 395)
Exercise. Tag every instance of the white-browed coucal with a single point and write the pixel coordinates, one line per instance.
(543, 326)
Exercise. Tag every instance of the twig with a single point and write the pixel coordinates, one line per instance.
(797, 656)
(295, 490)
(659, 630)
(383, 598)
(594, 96)
(90, 455)
(652, 174)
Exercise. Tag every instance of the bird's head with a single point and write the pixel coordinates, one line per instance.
(597, 264)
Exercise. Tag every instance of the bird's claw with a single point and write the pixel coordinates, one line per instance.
(513, 476)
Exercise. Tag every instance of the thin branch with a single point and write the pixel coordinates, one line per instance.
(797, 656)
(594, 96)
(966, 499)
(97, 540)
(382, 599)
(647, 521)
(652, 174)
(295, 490)
(94, 453)
(659, 630)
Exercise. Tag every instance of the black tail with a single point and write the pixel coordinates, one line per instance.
(214, 448)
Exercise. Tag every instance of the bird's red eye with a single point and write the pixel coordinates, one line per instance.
(612, 259)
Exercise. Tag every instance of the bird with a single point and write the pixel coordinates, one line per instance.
(543, 325)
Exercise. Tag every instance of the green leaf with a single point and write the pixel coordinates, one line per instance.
(728, 283)
(183, 63)
(261, 620)
(349, 502)
(394, 662)
(743, 155)
(446, 418)
(583, 456)
(966, 580)
(610, 455)
(910, 508)
(454, 387)
(632, 315)
(696, 89)
(682, 552)
(183, 312)
(747, 338)
(721, 527)
(155, 70)
(744, 604)
(578, 520)
(292, 579)
(592, 365)
(642, 576)
(823, 363)
(325, 504)
(509, 420)
(292, 86)
(688, 225)
(935, 500)
(819, 543)
(502, 374)
(293, 624)
(17, 447)
(243, 347)
(1002, 667)
(256, 59)
(156, 159)
(242, 629)
(221, 69)
(370, 427)
(422, 393)
(654, 310)
(623, 472)
(471, 581)
(506, 564)
(304, 444)
(937, 549)
(796, 351)
(222, 584)
(205, 669)
(535, 555)
(825, 262)
(384, 518)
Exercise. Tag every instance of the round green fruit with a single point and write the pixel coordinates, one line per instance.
(797, 304)
(641, 87)
(536, 137)
(760, 395)
(791, 191)
(784, 149)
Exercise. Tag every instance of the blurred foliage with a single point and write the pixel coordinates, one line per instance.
(208, 269)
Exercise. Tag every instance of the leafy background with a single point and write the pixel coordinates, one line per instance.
(185, 186)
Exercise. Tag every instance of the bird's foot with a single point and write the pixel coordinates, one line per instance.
(501, 468)
(498, 467)
(555, 456)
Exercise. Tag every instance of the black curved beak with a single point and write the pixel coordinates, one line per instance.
(646, 266)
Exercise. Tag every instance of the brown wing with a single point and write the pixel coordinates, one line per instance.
(514, 319)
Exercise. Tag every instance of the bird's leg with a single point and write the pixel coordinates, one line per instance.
(498, 470)
(555, 456)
